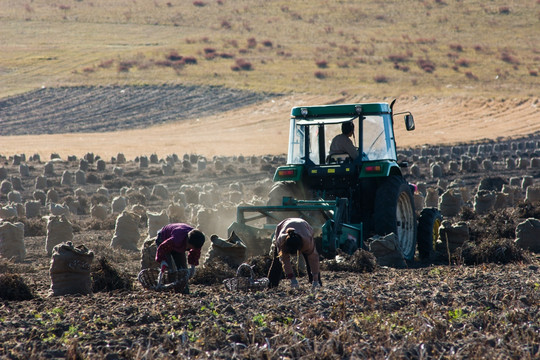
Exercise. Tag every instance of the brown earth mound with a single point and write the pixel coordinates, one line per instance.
(106, 278)
(13, 287)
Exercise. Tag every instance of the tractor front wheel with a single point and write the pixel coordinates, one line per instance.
(394, 212)
(429, 221)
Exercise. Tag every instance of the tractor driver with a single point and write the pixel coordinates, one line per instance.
(342, 144)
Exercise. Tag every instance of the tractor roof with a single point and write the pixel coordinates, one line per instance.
(343, 110)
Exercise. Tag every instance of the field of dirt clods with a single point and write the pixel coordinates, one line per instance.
(478, 300)
(111, 108)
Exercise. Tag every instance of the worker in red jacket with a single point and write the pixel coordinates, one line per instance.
(173, 240)
(293, 236)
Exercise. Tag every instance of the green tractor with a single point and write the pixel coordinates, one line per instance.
(349, 197)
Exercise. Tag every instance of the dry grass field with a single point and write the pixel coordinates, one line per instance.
(439, 47)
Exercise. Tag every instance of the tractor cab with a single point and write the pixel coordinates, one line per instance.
(312, 129)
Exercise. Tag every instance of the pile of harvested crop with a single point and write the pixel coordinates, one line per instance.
(13, 287)
(260, 264)
(106, 278)
(213, 272)
(98, 224)
(360, 261)
(492, 250)
(527, 210)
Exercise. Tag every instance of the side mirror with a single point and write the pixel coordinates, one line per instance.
(409, 122)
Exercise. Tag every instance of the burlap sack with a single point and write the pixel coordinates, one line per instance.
(52, 196)
(176, 212)
(15, 197)
(510, 164)
(156, 221)
(233, 250)
(126, 231)
(533, 194)
(12, 241)
(103, 191)
(5, 187)
(450, 202)
(432, 197)
(206, 220)
(160, 191)
(70, 270)
(148, 254)
(32, 208)
(514, 181)
(139, 210)
(436, 170)
(57, 209)
(41, 182)
(167, 169)
(527, 181)
(415, 170)
(17, 183)
(80, 177)
(143, 162)
(387, 250)
(8, 211)
(528, 235)
(503, 200)
(452, 236)
(118, 204)
(21, 210)
(99, 211)
(101, 165)
(510, 191)
(67, 178)
(59, 230)
(419, 201)
(522, 163)
(120, 158)
(484, 200)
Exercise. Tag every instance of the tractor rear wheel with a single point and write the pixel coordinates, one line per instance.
(429, 222)
(394, 212)
(283, 189)
(280, 190)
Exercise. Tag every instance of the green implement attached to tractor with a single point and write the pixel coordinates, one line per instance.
(349, 198)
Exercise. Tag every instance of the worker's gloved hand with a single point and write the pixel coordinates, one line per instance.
(164, 267)
(192, 271)
(294, 283)
(315, 286)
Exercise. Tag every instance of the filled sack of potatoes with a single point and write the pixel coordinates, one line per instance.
(387, 251)
(148, 254)
(233, 250)
(70, 270)
(12, 240)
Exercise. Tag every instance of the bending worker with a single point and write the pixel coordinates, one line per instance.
(173, 241)
(294, 235)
